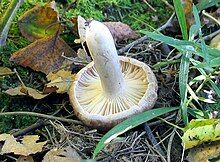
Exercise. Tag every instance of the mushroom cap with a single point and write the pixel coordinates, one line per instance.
(96, 109)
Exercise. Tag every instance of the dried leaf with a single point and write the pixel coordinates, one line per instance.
(205, 152)
(61, 79)
(44, 55)
(5, 71)
(39, 22)
(62, 155)
(27, 146)
(215, 42)
(25, 159)
(121, 31)
(26, 91)
(199, 131)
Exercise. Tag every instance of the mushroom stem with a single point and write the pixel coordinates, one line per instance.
(103, 51)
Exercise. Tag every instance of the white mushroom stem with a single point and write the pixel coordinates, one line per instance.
(103, 51)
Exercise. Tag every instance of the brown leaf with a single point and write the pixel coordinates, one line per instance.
(27, 146)
(25, 159)
(121, 31)
(44, 55)
(26, 91)
(61, 79)
(39, 22)
(62, 155)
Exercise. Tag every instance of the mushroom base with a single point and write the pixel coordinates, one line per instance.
(98, 110)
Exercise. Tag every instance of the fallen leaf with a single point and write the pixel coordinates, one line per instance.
(61, 79)
(21, 90)
(62, 155)
(27, 146)
(199, 131)
(39, 22)
(25, 159)
(44, 55)
(5, 71)
(215, 42)
(121, 31)
(204, 153)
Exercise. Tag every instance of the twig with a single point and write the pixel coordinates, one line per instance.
(170, 145)
(19, 78)
(210, 36)
(151, 7)
(41, 116)
(211, 17)
(169, 5)
(142, 39)
(153, 139)
(30, 128)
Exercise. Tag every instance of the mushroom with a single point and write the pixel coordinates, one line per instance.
(111, 88)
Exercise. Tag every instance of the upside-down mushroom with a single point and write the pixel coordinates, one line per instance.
(111, 88)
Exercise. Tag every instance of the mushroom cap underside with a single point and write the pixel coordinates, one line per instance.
(96, 109)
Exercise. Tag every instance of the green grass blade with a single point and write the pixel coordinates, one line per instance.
(6, 20)
(129, 124)
(183, 80)
(203, 4)
(181, 17)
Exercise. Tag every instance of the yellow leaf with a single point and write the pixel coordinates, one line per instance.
(5, 71)
(26, 91)
(62, 155)
(26, 147)
(215, 42)
(204, 153)
(200, 131)
(25, 159)
(61, 79)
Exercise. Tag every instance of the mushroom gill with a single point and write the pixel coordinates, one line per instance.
(93, 99)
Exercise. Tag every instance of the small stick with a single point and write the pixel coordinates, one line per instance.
(41, 116)
(153, 139)
(151, 7)
(142, 39)
(210, 36)
(30, 128)
(169, 5)
(211, 17)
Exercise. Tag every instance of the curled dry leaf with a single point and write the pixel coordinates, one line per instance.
(204, 153)
(199, 131)
(44, 55)
(27, 146)
(62, 155)
(61, 80)
(39, 22)
(26, 91)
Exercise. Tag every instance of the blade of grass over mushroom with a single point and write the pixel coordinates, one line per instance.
(129, 124)
(6, 20)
